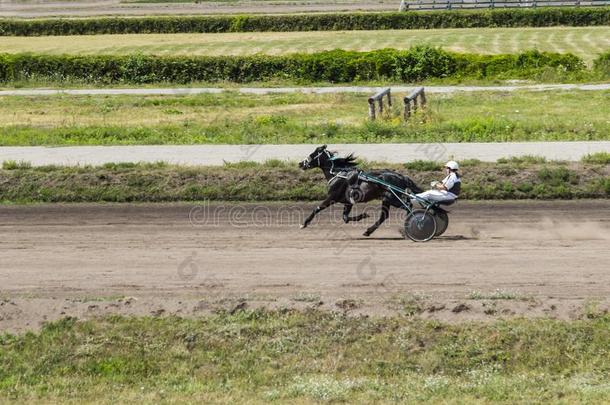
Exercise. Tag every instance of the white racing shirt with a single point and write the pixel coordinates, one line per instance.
(449, 182)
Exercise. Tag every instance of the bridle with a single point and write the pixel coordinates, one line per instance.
(307, 162)
(331, 158)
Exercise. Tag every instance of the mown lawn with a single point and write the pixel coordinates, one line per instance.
(586, 42)
(232, 118)
(303, 357)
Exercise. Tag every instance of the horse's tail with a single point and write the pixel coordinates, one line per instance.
(401, 180)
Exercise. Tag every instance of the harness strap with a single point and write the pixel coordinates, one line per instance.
(338, 176)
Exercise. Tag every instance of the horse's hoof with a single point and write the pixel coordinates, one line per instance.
(303, 226)
(367, 233)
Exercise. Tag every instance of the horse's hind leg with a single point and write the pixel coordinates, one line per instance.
(325, 204)
(347, 208)
(385, 211)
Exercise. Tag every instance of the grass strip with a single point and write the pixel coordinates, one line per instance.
(516, 178)
(257, 356)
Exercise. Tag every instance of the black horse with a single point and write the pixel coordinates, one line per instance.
(345, 186)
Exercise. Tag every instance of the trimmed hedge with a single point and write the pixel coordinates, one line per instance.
(338, 66)
(533, 17)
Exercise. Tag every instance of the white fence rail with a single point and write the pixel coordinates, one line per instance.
(415, 5)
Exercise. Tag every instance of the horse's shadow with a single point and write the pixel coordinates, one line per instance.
(451, 238)
(380, 239)
(456, 237)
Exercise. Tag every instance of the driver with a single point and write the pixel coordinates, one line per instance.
(446, 190)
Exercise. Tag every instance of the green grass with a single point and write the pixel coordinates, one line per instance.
(498, 295)
(602, 158)
(300, 118)
(586, 42)
(283, 181)
(14, 165)
(304, 357)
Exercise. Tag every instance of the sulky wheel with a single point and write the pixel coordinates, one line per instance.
(442, 221)
(420, 226)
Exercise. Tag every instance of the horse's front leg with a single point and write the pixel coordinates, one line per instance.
(347, 208)
(325, 204)
(385, 211)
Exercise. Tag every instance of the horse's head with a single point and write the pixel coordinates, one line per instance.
(317, 158)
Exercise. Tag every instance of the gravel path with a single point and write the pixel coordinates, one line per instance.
(315, 90)
(218, 154)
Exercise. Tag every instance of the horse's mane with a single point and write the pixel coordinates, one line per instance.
(348, 161)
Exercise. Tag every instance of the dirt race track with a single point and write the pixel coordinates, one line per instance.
(498, 259)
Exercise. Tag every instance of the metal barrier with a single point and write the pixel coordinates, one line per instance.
(411, 101)
(414, 5)
(378, 98)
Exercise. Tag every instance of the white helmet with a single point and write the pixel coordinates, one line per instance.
(452, 165)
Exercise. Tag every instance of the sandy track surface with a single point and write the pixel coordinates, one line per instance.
(545, 258)
(33, 8)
